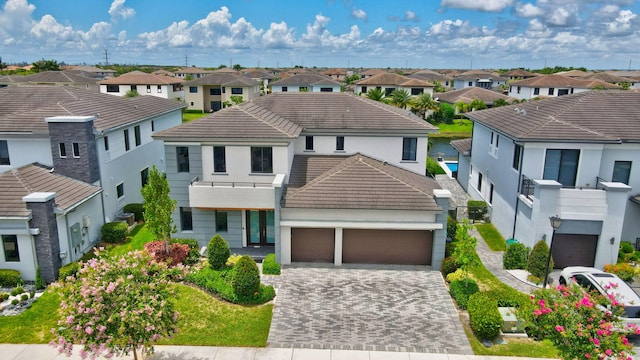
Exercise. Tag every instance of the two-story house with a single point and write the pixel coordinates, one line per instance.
(215, 91)
(572, 156)
(554, 85)
(66, 78)
(432, 76)
(166, 87)
(191, 73)
(467, 95)
(389, 82)
(86, 140)
(478, 78)
(307, 82)
(321, 177)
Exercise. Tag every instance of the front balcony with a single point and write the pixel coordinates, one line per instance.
(235, 195)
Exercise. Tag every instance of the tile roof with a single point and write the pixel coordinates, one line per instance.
(24, 108)
(51, 77)
(428, 75)
(520, 73)
(393, 79)
(258, 74)
(468, 94)
(479, 74)
(191, 70)
(590, 116)
(16, 183)
(372, 72)
(462, 145)
(574, 73)
(285, 115)
(356, 182)
(610, 78)
(335, 72)
(223, 79)
(556, 81)
(141, 78)
(306, 79)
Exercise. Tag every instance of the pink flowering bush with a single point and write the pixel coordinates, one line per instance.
(115, 305)
(577, 323)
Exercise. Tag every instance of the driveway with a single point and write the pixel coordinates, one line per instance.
(365, 308)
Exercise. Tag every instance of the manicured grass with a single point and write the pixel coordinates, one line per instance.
(207, 321)
(190, 116)
(34, 325)
(135, 241)
(521, 347)
(433, 167)
(492, 237)
(458, 129)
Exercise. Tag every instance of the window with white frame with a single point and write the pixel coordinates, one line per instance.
(62, 149)
(493, 145)
(120, 191)
(76, 150)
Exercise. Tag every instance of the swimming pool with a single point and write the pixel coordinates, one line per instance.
(452, 165)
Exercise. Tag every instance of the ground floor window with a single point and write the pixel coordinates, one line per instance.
(186, 219)
(10, 245)
(221, 221)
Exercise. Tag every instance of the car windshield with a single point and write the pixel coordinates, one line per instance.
(622, 291)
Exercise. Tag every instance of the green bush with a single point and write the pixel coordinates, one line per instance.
(40, 283)
(449, 248)
(9, 278)
(15, 301)
(452, 227)
(136, 209)
(477, 209)
(233, 259)
(218, 252)
(17, 290)
(270, 266)
(24, 297)
(434, 168)
(537, 263)
(457, 275)
(626, 247)
(114, 232)
(246, 277)
(516, 256)
(461, 290)
(219, 283)
(508, 297)
(70, 269)
(484, 316)
(32, 294)
(448, 266)
(193, 256)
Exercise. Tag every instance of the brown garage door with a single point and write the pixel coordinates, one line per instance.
(312, 245)
(574, 250)
(408, 247)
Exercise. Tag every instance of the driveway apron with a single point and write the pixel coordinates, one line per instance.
(372, 308)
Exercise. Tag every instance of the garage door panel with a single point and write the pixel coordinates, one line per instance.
(406, 247)
(574, 250)
(312, 245)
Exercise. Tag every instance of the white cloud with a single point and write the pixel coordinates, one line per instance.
(359, 14)
(15, 21)
(118, 10)
(528, 10)
(481, 5)
(278, 36)
(410, 16)
(559, 17)
(623, 23)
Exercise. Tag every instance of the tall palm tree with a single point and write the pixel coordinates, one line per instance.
(423, 103)
(400, 98)
(375, 94)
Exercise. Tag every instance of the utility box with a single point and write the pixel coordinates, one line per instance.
(511, 324)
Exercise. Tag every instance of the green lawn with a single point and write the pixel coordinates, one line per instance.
(135, 241)
(492, 237)
(190, 116)
(458, 129)
(34, 325)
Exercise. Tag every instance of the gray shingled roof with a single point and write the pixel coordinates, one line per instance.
(24, 108)
(285, 115)
(306, 80)
(17, 183)
(356, 182)
(592, 116)
(223, 79)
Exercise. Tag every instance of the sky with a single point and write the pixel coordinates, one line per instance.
(435, 34)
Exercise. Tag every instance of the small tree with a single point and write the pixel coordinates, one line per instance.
(537, 264)
(237, 99)
(131, 93)
(376, 94)
(158, 206)
(465, 249)
(218, 252)
(246, 277)
(400, 98)
(114, 306)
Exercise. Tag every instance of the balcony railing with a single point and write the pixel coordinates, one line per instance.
(526, 186)
(231, 184)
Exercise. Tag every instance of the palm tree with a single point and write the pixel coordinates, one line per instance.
(423, 103)
(500, 102)
(477, 104)
(400, 98)
(376, 94)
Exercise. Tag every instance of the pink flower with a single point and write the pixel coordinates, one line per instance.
(88, 330)
(588, 356)
(559, 328)
(595, 341)
(608, 352)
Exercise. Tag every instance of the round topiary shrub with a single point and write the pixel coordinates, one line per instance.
(537, 263)
(448, 266)
(461, 290)
(484, 317)
(218, 252)
(114, 232)
(246, 277)
(70, 269)
(516, 256)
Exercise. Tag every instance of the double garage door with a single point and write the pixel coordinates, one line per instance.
(363, 246)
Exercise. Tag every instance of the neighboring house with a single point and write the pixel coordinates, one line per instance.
(322, 177)
(389, 82)
(161, 86)
(336, 74)
(575, 73)
(308, 82)
(609, 78)
(163, 72)
(519, 74)
(463, 147)
(467, 95)
(67, 78)
(432, 76)
(101, 140)
(371, 72)
(573, 156)
(554, 85)
(214, 91)
(191, 73)
(477, 78)
(261, 75)
(94, 72)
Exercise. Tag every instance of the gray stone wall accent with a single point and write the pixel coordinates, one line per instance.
(440, 236)
(47, 242)
(85, 167)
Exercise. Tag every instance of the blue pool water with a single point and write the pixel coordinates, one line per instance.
(453, 166)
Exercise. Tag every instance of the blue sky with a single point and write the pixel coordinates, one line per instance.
(325, 33)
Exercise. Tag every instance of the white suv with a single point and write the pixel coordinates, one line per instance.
(594, 279)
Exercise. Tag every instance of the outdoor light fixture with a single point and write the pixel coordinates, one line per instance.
(555, 224)
(612, 240)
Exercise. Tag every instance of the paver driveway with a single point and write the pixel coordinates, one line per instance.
(381, 308)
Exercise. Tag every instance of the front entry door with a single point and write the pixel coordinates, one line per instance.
(260, 228)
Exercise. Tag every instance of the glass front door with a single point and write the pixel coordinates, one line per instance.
(260, 227)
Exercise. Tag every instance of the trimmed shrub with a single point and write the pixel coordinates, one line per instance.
(270, 266)
(218, 283)
(218, 252)
(177, 252)
(40, 283)
(193, 256)
(114, 232)
(457, 275)
(448, 266)
(17, 290)
(461, 290)
(508, 297)
(434, 168)
(9, 278)
(136, 209)
(484, 316)
(626, 247)
(70, 269)
(477, 209)
(537, 263)
(452, 227)
(624, 270)
(3, 296)
(516, 256)
(32, 294)
(15, 301)
(246, 277)
(24, 297)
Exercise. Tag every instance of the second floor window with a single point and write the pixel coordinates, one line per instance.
(308, 144)
(340, 143)
(63, 150)
(126, 140)
(409, 148)
(219, 159)
(193, 89)
(76, 150)
(113, 88)
(136, 134)
(182, 155)
(621, 172)
(561, 165)
(261, 160)
(215, 91)
(517, 153)
(284, 89)
(4, 153)
(536, 91)
(106, 143)
(236, 91)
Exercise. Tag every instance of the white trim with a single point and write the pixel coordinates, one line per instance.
(361, 225)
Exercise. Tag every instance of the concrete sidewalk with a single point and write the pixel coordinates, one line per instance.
(46, 352)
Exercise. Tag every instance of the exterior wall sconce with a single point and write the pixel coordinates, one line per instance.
(612, 240)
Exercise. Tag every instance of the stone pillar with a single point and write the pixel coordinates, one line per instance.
(42, 206)
(278, 183)
(442, 197)
(70, 130)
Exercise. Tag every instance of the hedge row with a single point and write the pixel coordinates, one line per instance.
(270, 266)
(217, 282)
(114, 232)
(10, 278)
(485, 319)
(461, 290)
